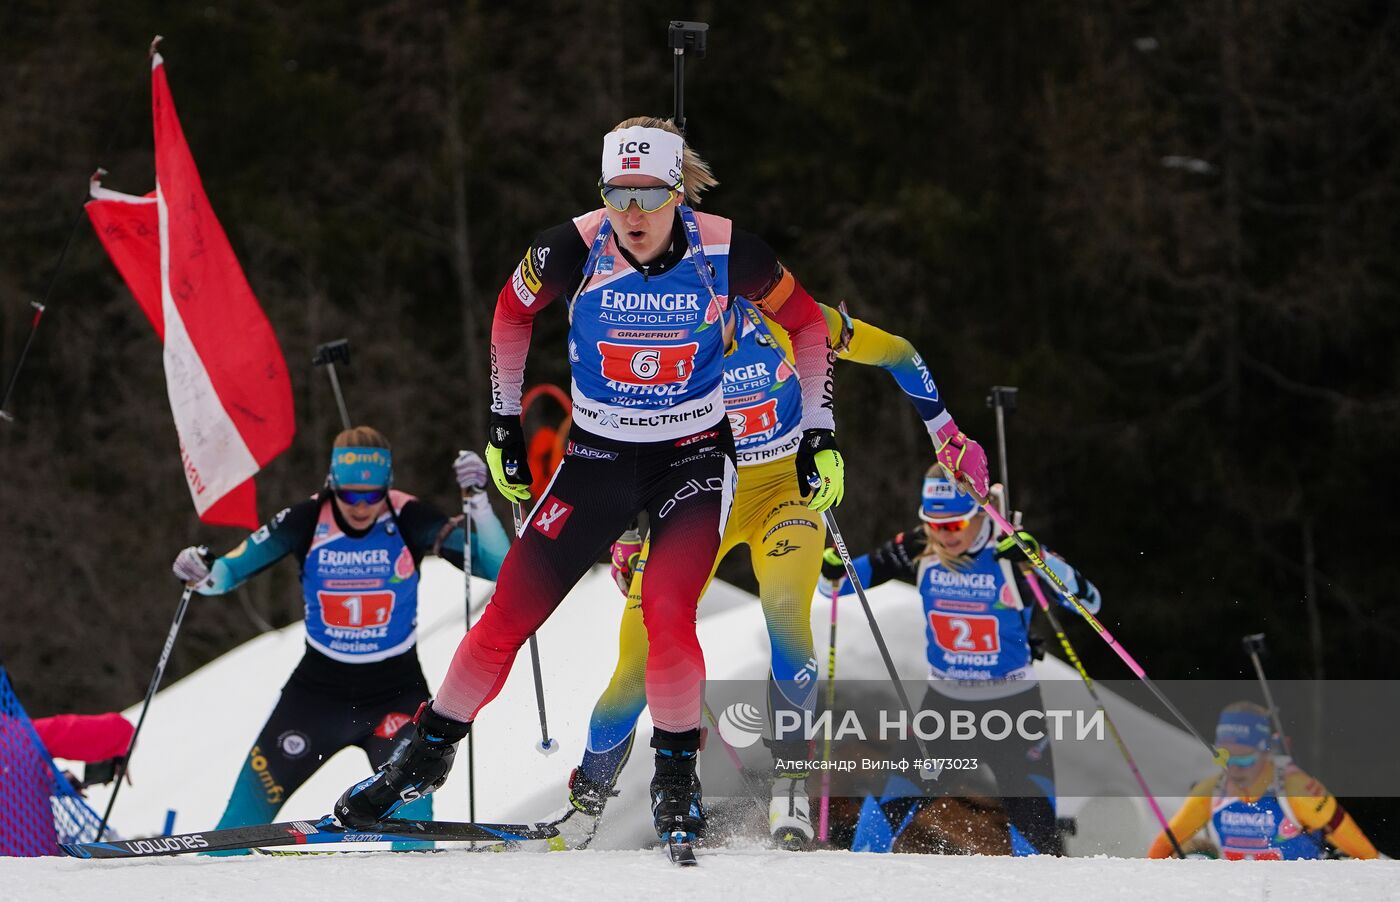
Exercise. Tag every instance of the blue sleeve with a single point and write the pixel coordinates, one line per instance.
(896, 559)
(862, 568)
(489, 543)
(283, 534)
(1081, 588)
(422, 524)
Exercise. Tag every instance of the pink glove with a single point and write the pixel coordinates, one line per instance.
(626, 552)
(963, 458)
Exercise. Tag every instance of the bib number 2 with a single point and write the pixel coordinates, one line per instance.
(965, 633)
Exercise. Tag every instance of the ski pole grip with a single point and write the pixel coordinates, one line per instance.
(967, 487)
(332, 352)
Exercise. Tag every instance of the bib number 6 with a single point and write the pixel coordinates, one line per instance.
(646, 363)
(640, 365)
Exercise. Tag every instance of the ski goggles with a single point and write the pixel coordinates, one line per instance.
(1242, 760)
(648, 199)
(353, 497)
(948, 525)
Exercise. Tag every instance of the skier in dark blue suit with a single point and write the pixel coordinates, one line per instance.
(359, 544)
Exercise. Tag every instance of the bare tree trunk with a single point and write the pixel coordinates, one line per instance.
(474, 342)
(1314, 635)
(1230, 169)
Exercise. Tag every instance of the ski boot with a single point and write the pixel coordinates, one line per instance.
(676, 808)
(418, 766)
(789, 815)
(578, 822)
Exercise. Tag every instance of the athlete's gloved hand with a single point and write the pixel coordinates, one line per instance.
(471, 472)
(833, 573)
(192, 564)
(820, 471)
(962, 458)
(505, 455)
(1008, 550)
(626, 552)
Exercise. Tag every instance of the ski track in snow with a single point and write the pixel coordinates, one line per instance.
(722, 874)
(199, 729)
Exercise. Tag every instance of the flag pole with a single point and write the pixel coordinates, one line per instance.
(41, 306)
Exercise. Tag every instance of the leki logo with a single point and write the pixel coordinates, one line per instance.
(740, 725)
(552, 517)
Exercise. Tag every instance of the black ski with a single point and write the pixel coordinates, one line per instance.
(681, 849)
(305, 833)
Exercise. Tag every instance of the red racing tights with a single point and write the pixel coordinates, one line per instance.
(685, 486)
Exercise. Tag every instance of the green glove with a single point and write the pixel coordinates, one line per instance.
(820, 470)
(832, 472)
(505, 456)
(1007, 547)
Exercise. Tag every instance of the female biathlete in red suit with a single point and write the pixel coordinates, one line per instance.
(646, 282)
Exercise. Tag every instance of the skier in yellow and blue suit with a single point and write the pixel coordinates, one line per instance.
(785, 539)
(1262, 807)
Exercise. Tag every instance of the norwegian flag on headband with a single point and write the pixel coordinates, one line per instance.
(631, 162)
(224, 371)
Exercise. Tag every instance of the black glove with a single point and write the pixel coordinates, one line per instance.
(1007, 549)
(506, 457)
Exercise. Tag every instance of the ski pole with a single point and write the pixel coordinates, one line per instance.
(1254, 646)
(1049, 612)
(328, 355)
(822, 820)
(23, 353)
(467, 586)
(830, 518)
(1218, 755)
(682, 36)
(1003, 399)
(546, 745)
(41, 306)
(125, 765)
(734, 759)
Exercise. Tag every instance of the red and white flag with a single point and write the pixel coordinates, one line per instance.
(224, 371)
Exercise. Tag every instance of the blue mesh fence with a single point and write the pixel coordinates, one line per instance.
(38, 807)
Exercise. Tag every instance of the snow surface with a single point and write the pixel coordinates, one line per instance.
(199, 729)
(722, 874)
